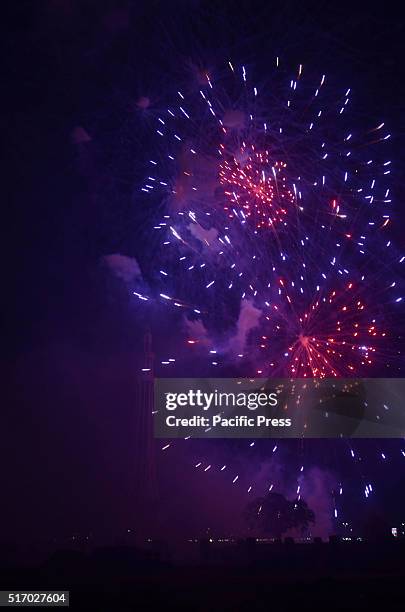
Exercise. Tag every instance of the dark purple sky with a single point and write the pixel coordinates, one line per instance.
(73, 338)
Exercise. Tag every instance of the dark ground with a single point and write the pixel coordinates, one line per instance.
(243, 576)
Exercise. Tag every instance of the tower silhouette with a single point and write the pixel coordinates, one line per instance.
(146, 483)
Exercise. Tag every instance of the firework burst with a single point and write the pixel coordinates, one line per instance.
(256, 184)
(255, 187)
(273, 213)
(335, 334)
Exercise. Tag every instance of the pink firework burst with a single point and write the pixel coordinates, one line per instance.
(256, 185)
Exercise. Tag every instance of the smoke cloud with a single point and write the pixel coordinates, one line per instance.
(123, 267)
(249, 317)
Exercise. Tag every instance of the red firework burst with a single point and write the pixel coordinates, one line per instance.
(334, 336)
(255, 185)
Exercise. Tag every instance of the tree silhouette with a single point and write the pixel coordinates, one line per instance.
(274, 514)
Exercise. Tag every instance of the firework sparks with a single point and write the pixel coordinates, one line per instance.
(278, 209)
(255, 187)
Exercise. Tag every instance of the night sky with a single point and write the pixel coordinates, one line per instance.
(73, 341)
